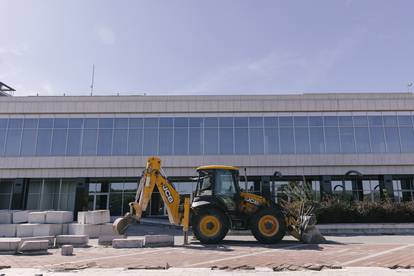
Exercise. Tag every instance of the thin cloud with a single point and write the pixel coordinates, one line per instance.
(106, 35)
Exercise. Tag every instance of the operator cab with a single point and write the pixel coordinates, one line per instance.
(217, 180)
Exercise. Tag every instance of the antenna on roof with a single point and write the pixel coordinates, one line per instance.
(93, 78)
(409, 87)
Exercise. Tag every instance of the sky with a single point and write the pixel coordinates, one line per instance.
(170, 47)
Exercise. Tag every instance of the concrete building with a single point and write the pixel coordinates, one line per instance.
(76, 153)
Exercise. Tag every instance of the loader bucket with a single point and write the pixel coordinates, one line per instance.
(309, 233)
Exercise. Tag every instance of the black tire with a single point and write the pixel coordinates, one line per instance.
(268, 226)
(205, 219)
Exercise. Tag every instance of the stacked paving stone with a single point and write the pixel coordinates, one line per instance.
(94, 224)
(16, 223)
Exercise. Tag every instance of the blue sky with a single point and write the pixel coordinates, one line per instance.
(206, 47)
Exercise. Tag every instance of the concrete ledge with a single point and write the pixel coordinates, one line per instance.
(36, 217)
(34, 247)
(20, 216)
(75, 240)
(50, 239)
(59, 217)
(8, 230)
(128, 243)
(107, 239)
(367, 229)
(91, 230)
(158, 240)
(5, 217)
(94, 217)
(9, 245)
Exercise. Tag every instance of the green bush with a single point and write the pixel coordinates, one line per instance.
(335, 210)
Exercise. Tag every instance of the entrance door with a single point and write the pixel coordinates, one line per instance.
(98, 201)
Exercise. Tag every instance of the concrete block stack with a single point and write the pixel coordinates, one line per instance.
(17, 223)
(93, 224)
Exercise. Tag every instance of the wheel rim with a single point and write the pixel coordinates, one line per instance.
(268, 225)
(209, 226)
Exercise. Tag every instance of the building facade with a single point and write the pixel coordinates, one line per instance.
(87, 152)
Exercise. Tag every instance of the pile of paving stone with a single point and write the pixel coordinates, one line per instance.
(36, 231)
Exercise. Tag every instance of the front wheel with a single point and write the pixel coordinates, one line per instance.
(268, 226)
(210, 226)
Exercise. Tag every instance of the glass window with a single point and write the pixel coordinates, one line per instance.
(317, 140)
(75, 123)
(150, 122)
(89, 142)
(271, 122)
(315, 121)
(241, 122)
(377, 139)
(3, 123)
(390, 120)
(375, 120)
(407, 139)
(241, 140)
(404, 120)
(150, 141)
(166, 122)
(44, 140)
(59, 137)
(285, 121)
(345, 121)
(256, 122)
(196, 122)
(104, 141)
(210, 140)
(225, 183)
(2, 140)
(180, 122)
(181, 141)
(166, 141)
(287, 141)
(256, 141)
(211, 122)
(28, 147)
(74, 142)
(136, 123)
(271, 140)
(61, 123)
(332, 140)
(121, 123)
(392, 139)
(120, 142)
(302, 140)
(90, 123)
(362, 140)
(226, 140)
(15, 123)
(226, 121)
(135, 139)
(330, 120)
(45, 123)
(300, 121)
(360, 121)
(347, 139)
(195, 142)
(106, 123)
(30, 123)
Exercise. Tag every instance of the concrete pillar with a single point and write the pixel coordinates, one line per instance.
(326, 187)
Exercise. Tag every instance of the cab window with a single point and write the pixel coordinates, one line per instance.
(225, 181)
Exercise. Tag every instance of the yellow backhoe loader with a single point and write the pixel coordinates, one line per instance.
(217, 206)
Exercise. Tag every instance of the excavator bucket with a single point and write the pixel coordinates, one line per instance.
(120, 225)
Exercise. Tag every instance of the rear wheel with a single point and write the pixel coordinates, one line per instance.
(268, 226)
(210, 226)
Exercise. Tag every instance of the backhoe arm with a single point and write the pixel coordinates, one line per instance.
(153, 176)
